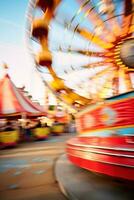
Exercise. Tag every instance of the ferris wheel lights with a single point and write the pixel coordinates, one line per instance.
(123, 66)
(120, 63)
(116, 55)
(130, 70)
(117, 60)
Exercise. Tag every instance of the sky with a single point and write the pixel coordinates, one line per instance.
(14, 51)
(13, 48)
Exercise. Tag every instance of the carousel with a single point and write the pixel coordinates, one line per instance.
(84, 51)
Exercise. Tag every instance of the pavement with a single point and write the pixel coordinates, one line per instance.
(79, 184)
(27, 171)
(40, 171)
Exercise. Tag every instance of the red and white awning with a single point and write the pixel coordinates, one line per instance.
(13, 101)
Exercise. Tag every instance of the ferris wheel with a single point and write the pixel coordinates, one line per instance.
(84, 49)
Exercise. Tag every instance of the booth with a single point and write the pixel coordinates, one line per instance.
(14, 105)
(61, 120)
(9, 138)
(41, 133)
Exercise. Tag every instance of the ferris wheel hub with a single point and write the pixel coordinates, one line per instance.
(127, 52)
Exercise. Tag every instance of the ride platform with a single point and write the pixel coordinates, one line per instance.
(79, 184)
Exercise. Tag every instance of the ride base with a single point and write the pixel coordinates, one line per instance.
(105, 143)
(80, 184)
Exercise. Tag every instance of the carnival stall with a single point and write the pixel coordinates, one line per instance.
(42, 128)
(14, 105)
(60, 118)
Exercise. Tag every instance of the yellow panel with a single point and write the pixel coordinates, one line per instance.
(9, 136)
(41, 132)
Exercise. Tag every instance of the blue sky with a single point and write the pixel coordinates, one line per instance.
(13, 48)
(12, 20)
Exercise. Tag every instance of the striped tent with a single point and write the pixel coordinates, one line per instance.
(13, 102)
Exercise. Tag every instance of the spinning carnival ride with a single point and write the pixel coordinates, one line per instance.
(87, 59)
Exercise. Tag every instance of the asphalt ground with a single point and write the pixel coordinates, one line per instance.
(27, 171)
(40, 171)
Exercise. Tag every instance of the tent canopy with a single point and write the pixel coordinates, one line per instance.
(13, 101)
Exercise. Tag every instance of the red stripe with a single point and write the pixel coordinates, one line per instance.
(1, 96)
(33, 105)
(102, 157)
(99, 150)
(124, 116)
(112, 170)
(94, 153)
(17, 105)
(126, 142)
